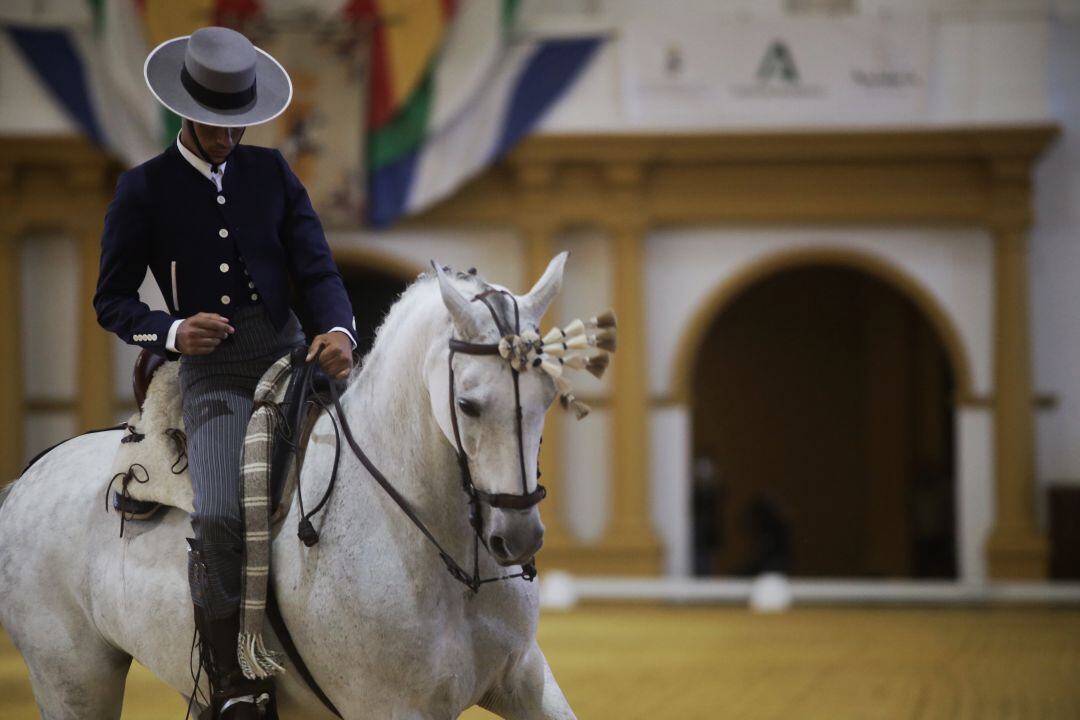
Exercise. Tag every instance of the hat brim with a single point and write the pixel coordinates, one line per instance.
(273, 88)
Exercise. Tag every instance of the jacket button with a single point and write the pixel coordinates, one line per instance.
(251, 285)
(223, 233)
(225, 300)
(224, 267)
(220, 199)
(254, 296)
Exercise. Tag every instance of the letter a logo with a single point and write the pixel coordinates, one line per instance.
(778, 63)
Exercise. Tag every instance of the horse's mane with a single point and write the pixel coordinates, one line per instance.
(421, 303)
(391, 374)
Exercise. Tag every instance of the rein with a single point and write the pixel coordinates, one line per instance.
(469, 578)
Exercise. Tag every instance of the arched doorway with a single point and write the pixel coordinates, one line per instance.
(822, 407)
(374, 284)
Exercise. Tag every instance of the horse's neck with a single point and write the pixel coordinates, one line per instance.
(389, 411)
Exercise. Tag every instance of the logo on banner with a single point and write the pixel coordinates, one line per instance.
(778, 76)
(778, 64)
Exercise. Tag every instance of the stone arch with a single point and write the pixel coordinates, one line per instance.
(374, 280)
(910, 287)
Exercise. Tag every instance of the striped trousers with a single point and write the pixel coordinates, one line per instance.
(217, 398)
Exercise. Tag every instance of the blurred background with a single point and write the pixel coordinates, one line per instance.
(840, 238)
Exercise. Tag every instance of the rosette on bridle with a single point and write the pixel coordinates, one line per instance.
(564, 348)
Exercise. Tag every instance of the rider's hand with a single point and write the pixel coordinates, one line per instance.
(201, 334)
(336, 358)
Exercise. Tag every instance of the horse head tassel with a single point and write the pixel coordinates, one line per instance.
(604, 320)
(561, 348)
(597, 364)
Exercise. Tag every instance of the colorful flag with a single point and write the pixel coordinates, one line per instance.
(484, 90)
(452, 85)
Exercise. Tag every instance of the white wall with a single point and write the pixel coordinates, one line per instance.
(685, 265)
(969, 78)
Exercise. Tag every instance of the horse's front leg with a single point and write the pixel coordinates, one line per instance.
(529, 692)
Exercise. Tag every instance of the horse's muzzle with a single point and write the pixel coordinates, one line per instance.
(514, 536)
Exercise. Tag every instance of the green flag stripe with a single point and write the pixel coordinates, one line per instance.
(171, 123)
(97, 7)
(509, 14)
(406, 130)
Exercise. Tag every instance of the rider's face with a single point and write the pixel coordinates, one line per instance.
(217, 141)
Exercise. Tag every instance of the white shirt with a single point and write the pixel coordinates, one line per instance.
(206, 171)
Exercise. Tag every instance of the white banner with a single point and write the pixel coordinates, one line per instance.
(704, 72)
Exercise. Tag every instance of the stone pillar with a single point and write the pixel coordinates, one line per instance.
(95, 380)
(11, 357)
(630, 540)
(538, 227)
(1016, 548)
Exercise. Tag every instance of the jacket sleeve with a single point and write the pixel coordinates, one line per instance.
(125, 256)
(310, 263)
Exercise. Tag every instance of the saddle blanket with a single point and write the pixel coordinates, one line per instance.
(151, 463)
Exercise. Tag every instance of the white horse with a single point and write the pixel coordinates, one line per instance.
(381, 624)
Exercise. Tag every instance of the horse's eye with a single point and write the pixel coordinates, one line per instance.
(468, 407)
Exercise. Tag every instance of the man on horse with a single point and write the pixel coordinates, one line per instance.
(224, 230)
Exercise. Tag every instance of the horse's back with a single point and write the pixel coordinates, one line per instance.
(47, 518)
(61, 558)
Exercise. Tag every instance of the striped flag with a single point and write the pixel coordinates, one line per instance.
(484, 90)
(452, 84)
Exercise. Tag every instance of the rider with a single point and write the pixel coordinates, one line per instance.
(223, 228)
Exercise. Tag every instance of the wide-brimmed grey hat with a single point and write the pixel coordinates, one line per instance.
(215, 76)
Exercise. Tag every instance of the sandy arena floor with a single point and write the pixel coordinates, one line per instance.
(686, 663)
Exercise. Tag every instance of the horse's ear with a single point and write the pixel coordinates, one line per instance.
(461, 310)
(546, 288)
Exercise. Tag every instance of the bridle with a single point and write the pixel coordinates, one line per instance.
(526, 499)
(477, 498)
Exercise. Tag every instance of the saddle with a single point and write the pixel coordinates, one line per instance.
(151, 469)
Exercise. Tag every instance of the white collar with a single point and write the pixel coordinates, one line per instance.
(201, 165)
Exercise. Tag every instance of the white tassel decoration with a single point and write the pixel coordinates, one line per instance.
(554, 335)
(575, 362)
(551, 368)
(576, 327)
(579, 342)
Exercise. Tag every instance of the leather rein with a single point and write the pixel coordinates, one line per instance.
(477, 498)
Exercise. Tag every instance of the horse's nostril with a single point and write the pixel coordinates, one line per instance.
(498, 546)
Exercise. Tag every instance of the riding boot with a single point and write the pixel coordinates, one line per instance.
(232, 696)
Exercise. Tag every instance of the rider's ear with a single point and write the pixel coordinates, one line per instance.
(546, 288)
(462, 312)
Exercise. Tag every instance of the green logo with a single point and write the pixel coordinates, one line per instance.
(778, 63)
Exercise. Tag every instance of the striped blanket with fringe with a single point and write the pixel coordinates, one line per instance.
(256, 661)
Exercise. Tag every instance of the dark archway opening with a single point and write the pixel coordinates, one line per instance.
(823, 433)
(371, 292)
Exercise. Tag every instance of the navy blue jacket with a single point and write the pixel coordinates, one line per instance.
(202, 245)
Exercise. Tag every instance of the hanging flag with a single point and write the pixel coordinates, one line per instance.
(484, 90)
(452, 86)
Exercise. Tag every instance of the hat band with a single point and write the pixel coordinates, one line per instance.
(213, 99)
